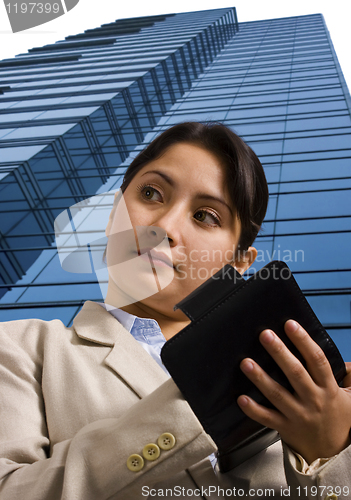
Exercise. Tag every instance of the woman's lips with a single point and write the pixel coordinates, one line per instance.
(157, 258)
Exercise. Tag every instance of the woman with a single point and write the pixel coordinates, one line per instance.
(89, 413)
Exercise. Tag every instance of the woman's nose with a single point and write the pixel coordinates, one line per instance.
(156, 234)
(167, 225)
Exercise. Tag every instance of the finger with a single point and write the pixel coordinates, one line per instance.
(294, 370)
(264, 416)
(316, 361)
(280, 397)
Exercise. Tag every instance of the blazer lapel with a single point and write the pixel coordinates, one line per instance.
(127, 357)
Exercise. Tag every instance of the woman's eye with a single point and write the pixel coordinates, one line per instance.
(150, 193)
(207, 217)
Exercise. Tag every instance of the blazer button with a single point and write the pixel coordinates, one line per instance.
(135, 462)
(151, 452)
(166, 441)
(331, 496)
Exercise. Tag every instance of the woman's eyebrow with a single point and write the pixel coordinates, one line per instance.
(207, 196)
(162, 174)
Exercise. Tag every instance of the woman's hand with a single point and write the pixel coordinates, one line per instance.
(315, 420)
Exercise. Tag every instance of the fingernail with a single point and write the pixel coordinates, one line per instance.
(267, 336)
(243, 401)
(292, 325)
(247, 366)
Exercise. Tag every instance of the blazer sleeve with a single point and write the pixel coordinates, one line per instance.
(91, 465)
(332, 480)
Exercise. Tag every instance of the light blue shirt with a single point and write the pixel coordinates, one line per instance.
(148, 333)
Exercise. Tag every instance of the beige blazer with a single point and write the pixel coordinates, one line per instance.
(77, 402)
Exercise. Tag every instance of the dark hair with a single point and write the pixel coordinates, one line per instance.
(246, 180)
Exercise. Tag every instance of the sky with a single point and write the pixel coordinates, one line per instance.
(89, 14)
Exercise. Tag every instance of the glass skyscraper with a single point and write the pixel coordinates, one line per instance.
(74, 114)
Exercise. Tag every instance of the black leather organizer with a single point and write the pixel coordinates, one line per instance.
(227, 315)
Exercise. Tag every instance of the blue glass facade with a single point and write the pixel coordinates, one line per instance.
(73, 114)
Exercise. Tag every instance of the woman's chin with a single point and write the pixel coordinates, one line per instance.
(136, 280)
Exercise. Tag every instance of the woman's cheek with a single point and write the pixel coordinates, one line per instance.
(182, 273)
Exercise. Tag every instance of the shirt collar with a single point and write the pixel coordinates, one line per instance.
(130, 321)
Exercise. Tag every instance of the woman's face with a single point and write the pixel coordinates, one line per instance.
(183, 195)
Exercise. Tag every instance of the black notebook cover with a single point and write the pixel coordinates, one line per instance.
(228, 313)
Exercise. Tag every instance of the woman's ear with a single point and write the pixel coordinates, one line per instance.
(245, 259)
